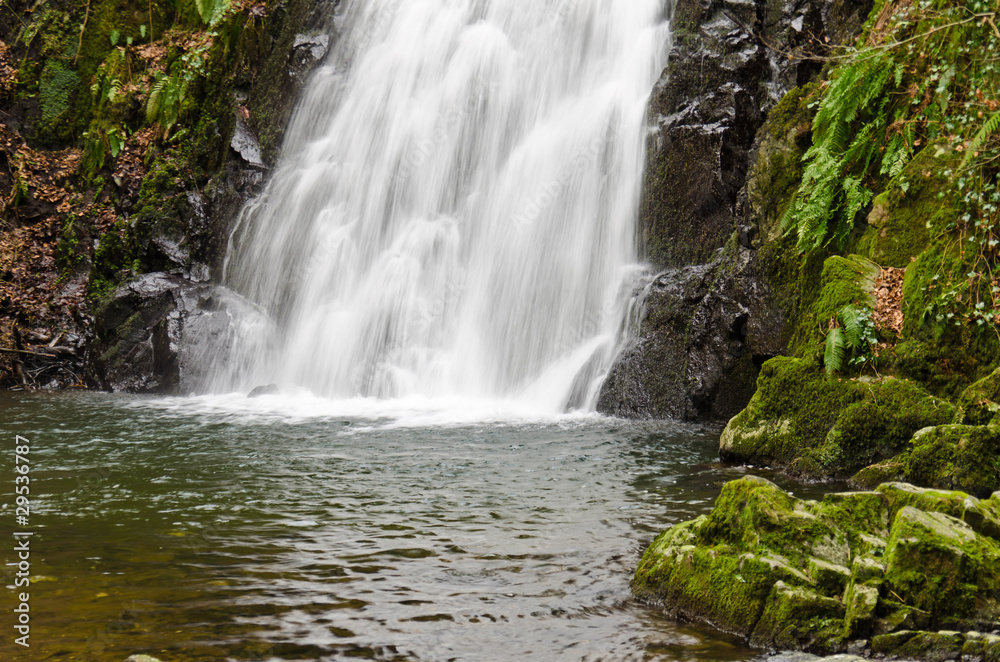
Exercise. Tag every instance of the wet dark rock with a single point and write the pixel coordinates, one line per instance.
(177, 233)
(161, 333)
(257, 136)
(719, 166)
(245, 143)
(308, 50)
(699, 340)
(731, 62)
(269, 389)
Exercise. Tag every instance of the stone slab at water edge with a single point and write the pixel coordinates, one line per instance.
(855, 569)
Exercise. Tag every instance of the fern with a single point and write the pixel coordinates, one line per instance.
(836, 349)
(212, 11)
(832, 192)
(154, 103)
(852, 332)
(989, 127)
(851, 320)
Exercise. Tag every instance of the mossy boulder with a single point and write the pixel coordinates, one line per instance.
(817, 425)
(909, 210)
(980, 402)
(941, 565)
(844, 281)
(793, 574)
(965, 457)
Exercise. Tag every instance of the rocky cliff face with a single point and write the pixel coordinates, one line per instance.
(133, 144)
(723, 306)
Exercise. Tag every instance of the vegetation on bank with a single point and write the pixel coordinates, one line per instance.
(902, 170)
(877, 194)
(117, 120)
(876, 197)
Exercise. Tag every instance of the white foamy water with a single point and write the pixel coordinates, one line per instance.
(453, 217)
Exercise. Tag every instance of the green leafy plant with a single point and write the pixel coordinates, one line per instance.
(169, 90)
(852, 334)
(113, 96)
(212, 11)
(848, 134)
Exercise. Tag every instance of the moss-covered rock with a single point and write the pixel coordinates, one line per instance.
(962, 457)
(844, 281)
(777, 165)
(792, 574)
(909, 210)
(938, 348)
(818, 425)
(980, 402)
(941, 566)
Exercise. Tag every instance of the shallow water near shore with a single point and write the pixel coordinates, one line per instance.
(290, 528)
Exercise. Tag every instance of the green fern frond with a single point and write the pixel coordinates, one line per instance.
(212, 11)
(850, 319)
(836, 348)
(848, 133)
(989, 127)
(154, 103)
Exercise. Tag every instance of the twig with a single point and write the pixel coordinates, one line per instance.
(27, 353)
(79, 46)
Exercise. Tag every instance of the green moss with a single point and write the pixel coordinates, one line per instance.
(844, 281)
(943, 370)
(938, 564)
(702, 569)
(798, 618)
(777, 170)
(956, 457)
(980, 515)
(856, 511)
(878, 473)
(818, 425)
(794, 407)
(775, 569)
(910, 211)
(939, 348)
(114, 258)
(980, 402)
(57, 89)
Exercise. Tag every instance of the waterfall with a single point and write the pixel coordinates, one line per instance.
(454, 212)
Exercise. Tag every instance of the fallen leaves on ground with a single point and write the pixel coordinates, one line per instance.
(889, 300)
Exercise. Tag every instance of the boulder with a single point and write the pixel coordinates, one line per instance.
(817, 425)
(161, 333)
(698, 342)
(852, 569)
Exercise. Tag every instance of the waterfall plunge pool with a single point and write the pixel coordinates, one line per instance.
(289, 528)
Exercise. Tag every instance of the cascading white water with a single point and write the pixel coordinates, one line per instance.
(455, 208)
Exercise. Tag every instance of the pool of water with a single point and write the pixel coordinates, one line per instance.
(283, 528)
